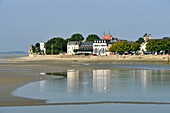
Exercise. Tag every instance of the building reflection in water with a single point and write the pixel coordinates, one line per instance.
(101, 81)
(42, 85)
(72, 81)
(144, 74)
(104, 80)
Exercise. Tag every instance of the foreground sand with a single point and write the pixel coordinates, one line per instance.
(15, 75)
(17, 72)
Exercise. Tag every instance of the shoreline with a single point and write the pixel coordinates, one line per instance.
(158, 59)
(15, 75)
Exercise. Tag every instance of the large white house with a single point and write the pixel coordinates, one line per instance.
(71, 46)
(99, 47)
(42, 48)
(146, 38)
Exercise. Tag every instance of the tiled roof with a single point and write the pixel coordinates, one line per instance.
(87, 44)
(107, 37)
(73, 43)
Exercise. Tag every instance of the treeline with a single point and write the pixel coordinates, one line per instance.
(159, 46)
(58, 45)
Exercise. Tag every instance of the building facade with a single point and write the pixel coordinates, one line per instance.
(85, 48)
(99, 47)
(146, 38)
(71, 46)
(109, 41)
(42, 48)
(31, 51)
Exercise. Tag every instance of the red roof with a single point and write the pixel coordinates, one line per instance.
(107, 37)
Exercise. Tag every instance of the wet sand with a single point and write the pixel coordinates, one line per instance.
(17, 72)
(15, 75)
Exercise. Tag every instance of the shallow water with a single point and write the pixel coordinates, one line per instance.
(102, 85)
(107, 108)
(8, 56)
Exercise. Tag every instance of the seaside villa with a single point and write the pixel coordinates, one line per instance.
(85, 48)
(42, 48)
(71, 46)
(99, 47)
(146, 38)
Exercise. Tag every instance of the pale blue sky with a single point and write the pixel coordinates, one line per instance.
(23, 22)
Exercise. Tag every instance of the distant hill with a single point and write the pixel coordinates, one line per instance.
(14, 52)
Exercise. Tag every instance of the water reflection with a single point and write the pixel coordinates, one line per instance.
(73, 80)
(98, 80)
(103, 85)
(104, 80)
(101, 81)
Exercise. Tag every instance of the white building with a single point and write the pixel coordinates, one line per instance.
(143, 47)
(42, 48)
(71, 46)
(31, 51)
(99, 47)
(146, 38)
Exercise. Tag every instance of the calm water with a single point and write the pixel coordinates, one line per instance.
(102, 85)
(8, 56)
(107, 108)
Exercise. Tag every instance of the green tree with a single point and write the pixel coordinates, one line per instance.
(76, 37)
(140, 40)
(162, 45)
(37, 48)
(56, 45)
(92, 37)
(158, 45)
(114, 46)
(167, 45)
(122, 46)
(135, 46)
(151, 46)
(33, 49)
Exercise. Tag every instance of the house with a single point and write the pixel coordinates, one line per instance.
(109, 41)
(42, 48)
(109, 38)
(72, 46)
(146, 38)
(31, 51)
(99, 47)
(85, 48)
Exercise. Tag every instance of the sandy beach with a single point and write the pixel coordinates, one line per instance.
(17, 72)
(95, 59)
(14, 75)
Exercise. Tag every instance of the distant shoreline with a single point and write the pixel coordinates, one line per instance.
(165, 59)
(14, 52)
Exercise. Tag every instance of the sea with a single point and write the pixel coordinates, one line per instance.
(9, 56)
(123, 88)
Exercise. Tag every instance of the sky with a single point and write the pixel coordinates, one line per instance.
(25, 22)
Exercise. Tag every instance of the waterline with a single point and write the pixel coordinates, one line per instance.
(87, 103)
